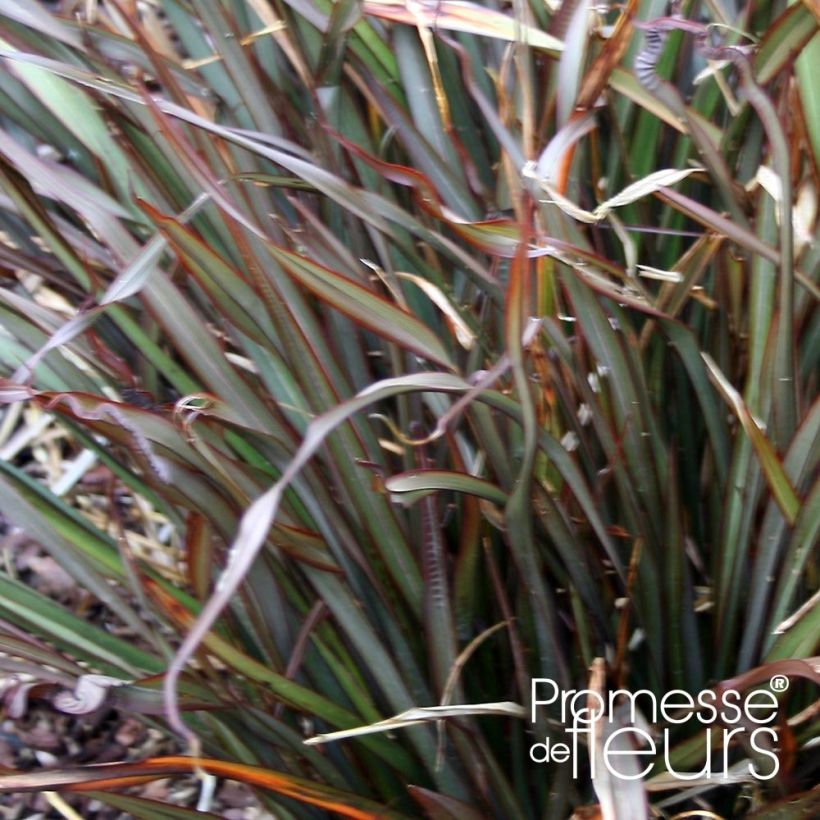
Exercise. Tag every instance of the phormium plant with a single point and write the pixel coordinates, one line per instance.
(423, 396)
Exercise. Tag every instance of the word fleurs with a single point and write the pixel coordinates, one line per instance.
(614, 727)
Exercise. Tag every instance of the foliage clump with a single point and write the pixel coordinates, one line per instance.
(436, 348)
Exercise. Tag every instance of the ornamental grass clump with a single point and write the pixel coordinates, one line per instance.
(423, 397)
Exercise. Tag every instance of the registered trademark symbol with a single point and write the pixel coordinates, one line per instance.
(779, 683)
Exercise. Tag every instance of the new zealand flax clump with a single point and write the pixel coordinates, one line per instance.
(363, 358)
